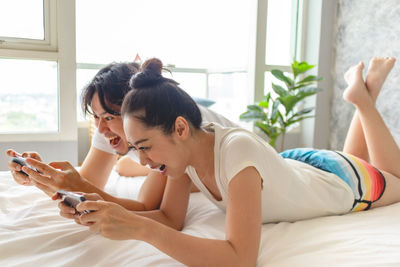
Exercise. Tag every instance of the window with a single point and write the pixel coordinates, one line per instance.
(29, 87)
(28, 96)
(205, 44)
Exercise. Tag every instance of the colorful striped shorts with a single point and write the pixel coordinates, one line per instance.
(366, 182)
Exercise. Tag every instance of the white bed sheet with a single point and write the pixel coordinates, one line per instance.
(33, 234)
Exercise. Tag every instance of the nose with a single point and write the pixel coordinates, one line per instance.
(102, 125)
(144, 160)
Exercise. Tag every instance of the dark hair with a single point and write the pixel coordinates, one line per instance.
(111, 83)
(160, 98)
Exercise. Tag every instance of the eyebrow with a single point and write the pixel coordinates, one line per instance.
(140, 141)
(100, 113)
(103, 113)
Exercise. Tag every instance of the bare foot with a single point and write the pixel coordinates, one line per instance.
(356, 92)
(378, 70)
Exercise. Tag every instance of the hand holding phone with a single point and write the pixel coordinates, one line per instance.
(72, 199)
(21, 161)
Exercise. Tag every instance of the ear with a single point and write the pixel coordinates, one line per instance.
(182, 129)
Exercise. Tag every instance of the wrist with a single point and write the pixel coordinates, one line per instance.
(146, 231)
(86, 186)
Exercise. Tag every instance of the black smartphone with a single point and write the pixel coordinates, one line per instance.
(21, 161)
(72, 199)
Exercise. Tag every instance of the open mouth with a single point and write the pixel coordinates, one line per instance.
(161, 169)
(114, 141)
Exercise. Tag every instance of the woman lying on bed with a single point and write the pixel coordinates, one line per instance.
(241, 173)
(102, 98)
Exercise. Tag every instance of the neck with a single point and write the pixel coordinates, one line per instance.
(202, 153)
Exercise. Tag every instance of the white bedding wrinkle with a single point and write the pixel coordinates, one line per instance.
(33, 234)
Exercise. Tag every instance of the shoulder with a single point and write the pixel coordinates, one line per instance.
(239, 140)
(239, 150)
(239, 146)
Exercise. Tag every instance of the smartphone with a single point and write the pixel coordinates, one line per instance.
(72, 199)
(21, 161)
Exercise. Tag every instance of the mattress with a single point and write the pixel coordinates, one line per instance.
(33, 234)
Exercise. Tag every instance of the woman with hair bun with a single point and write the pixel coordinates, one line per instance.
(241, 174)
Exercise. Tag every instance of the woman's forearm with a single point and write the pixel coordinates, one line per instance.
(126, 203)
(193, 251)
(161, 217)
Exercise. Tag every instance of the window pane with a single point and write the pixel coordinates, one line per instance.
(195, 34)
(22, 19)
(193, 83)
(83, 77)
(230, 93)
(279, 21)
(28, 96)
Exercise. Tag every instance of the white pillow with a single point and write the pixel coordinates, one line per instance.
(211, 116)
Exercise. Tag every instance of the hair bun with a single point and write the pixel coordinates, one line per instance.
(149, 75)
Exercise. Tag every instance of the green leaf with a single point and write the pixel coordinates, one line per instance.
(255, 108)
(303, 111)
(303, 85)
(301, 67)
(310, 79)
(308, 91)
(272, 141)
(281, 120)
(288, 102)
(263, 104)
(266, 128)
(279, 90)
(267, 97)
(251, 115)
(282, 77)
(274, 113)
(291, 100)
(290, 122)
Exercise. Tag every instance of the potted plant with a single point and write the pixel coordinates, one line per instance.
(280, 109)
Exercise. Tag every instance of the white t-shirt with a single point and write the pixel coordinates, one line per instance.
(292, 190)
(102, 143)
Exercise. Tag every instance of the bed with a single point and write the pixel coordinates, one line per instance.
(33, 234)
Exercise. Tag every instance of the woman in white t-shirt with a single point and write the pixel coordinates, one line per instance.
(241, 173)
(102, 98)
